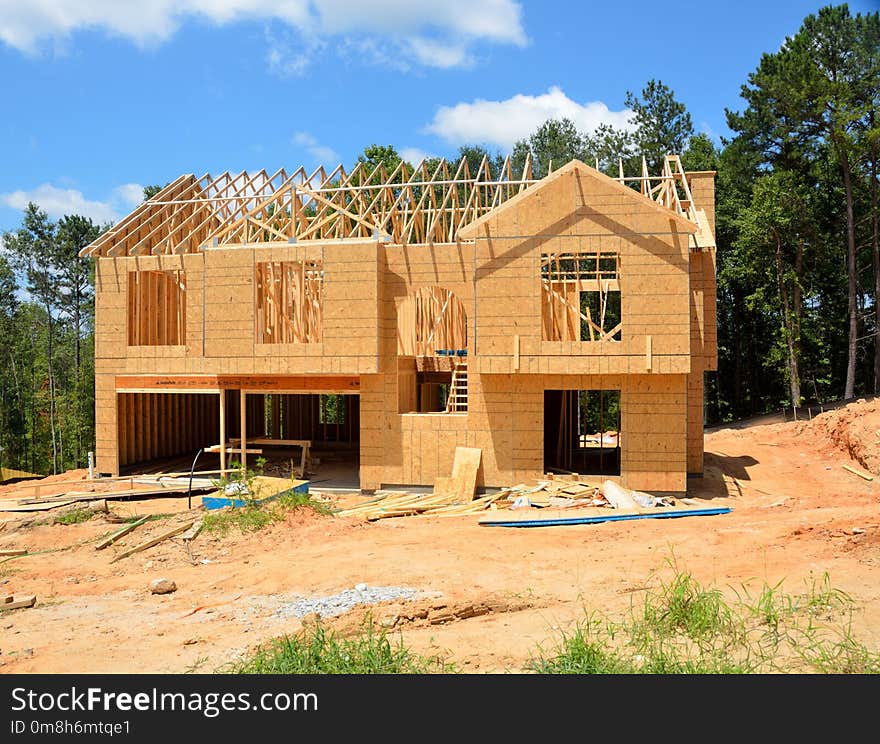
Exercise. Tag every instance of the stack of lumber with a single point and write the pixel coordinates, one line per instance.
(404, 504)
(552, 492)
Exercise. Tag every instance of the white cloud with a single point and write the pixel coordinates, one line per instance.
(426, 32)
(131, 194)
(440, 54)
(320, 153)
(413, 155)
(57, 202)
(502, 123)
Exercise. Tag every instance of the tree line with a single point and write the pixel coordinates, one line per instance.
(797, 227)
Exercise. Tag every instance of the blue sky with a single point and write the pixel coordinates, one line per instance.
(101, 97)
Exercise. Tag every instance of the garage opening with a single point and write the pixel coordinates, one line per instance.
(163, 432)
(154, 427)
(582, 431)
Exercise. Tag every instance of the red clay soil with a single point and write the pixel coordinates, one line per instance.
(854, 429)
(492, 594)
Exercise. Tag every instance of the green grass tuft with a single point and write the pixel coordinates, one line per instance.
(255, 516)
(685, 628)
(75, 516)
(318, 650)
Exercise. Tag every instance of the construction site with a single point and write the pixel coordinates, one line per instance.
(432, 359)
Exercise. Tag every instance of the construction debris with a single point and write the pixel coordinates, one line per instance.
(554, 492)
(155, 540)
(191, 533)
(11, 603)
(120, 533)
(866, 476)
(618, 497)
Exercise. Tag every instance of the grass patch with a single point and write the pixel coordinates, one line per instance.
(75, 516)
(319, 650)
(683, 627)
(255, 516)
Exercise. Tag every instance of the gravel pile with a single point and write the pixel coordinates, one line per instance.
(347, 600)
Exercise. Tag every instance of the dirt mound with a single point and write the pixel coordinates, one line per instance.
(854, 429)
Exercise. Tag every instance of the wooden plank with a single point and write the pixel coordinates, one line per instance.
(175, 490)
(119, 533)
(154, 541)
(276, 442)
(193, 531)
(16, 604)
(462, 484)
(32, 507)
(348, 384)
(233, 450)
(866, 476)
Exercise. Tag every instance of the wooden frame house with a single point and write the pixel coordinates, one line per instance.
(562, 323)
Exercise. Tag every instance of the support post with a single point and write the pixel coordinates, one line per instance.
(242, 400)
(222, 430)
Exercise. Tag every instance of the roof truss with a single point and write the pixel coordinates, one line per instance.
(404, 205)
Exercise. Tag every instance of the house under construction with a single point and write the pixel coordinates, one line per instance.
(557, 324)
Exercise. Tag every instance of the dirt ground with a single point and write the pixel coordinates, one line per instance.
(493, 594)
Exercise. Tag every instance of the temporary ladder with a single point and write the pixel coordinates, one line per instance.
(457, 400)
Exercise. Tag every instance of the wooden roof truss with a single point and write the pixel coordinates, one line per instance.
(421, 205)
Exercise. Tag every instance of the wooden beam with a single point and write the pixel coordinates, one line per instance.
(242, 402)
(154, 540)
(120, 533)
(222, 430)
(866, 476)
(16, 604)
(344, 384)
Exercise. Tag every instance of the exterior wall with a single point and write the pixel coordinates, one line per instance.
(702, 185)
(506, 421)
(580, 212)
(505, 416)
(704, 338)
(220, 324)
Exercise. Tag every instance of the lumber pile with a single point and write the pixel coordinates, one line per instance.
(553, 492)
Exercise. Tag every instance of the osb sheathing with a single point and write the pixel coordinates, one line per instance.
(667, 295)
(220, 323)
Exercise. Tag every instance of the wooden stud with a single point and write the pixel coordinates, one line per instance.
(242, 402)
(222, 395)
